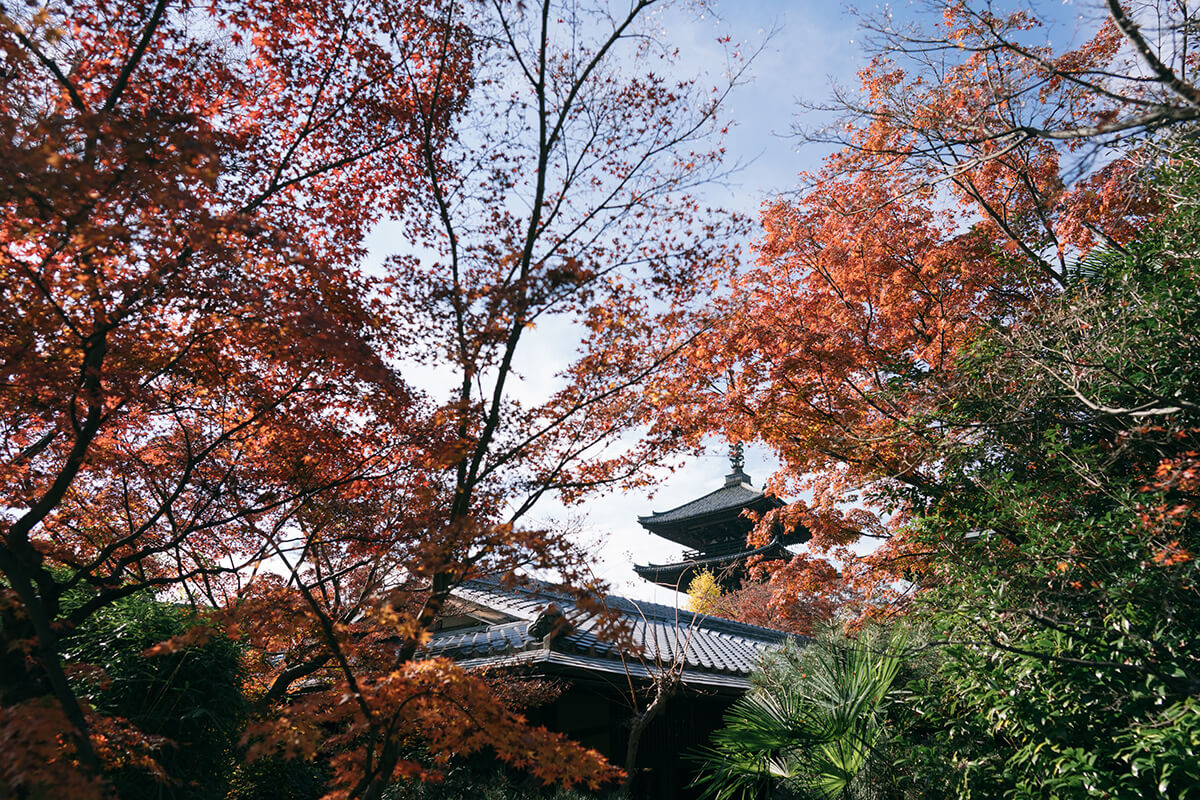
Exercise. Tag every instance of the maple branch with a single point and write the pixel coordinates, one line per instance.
(375, 777)
(1087, 80)
(36, 279)
(433, 173)
(577, 85)
(85, 431)
(181, 484)
(1166, 76)
(36, 448)
(48, 63)
(667, 144)
(442, 583)
(284, 680)
(592, 399)
(275, 188)
(307, 126)
(1005, 43)
(631, 172)
(331, 639)
(549, 481)
(482, 442)
(135, 57)
(512, 43)
(547, 139)
(967, 184)
(18, 559)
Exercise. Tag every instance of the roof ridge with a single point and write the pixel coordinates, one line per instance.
(647, 608)
(702, 497)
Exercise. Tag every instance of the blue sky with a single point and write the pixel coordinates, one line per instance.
(805, 48)
(813, 46)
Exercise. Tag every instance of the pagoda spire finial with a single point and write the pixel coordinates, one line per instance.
(737, 461)
(736, 456)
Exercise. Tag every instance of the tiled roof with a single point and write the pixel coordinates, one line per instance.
(677, 573)
(773, 548)
(715, 652)
(727, 498)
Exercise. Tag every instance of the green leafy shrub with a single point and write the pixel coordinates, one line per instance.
(192, 696)
(815, 725)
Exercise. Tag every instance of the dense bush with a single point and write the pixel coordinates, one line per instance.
(278, 779)
(1058, 574)
(191, 697)
(482, 778)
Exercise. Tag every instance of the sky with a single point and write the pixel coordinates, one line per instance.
(807, 46)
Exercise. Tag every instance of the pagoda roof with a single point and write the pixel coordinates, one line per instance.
(728, 567)
(730, 496)
(715, 516)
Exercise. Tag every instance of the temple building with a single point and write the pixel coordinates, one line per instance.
(715, 527)
(538, 630)
(699, 663)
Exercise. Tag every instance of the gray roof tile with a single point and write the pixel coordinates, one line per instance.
(726, 498)
(715, 651)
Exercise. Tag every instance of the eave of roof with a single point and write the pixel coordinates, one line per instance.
(729, 500)
(714, 652)
(774, 548)
(583, 664)
(672, 575)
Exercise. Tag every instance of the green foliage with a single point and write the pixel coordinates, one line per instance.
(815, 724)
(278, 779)
(1021, 725)
(1063, 567)
(192, 696)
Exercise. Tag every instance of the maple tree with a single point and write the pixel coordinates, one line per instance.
(978, 346)
(204, 393)
(181, 369)
(946, 211)
(542, 218)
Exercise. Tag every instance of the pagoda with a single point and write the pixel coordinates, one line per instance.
(715, 528)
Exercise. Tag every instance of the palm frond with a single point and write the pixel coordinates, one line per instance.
(812, 723)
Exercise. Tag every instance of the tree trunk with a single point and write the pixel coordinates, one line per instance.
(665, 687)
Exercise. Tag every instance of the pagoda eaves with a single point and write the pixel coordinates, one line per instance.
(715, 526)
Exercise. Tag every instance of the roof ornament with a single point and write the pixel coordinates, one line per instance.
(548, 624)
(737, 461)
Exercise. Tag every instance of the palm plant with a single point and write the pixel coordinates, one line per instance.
(813, 725)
